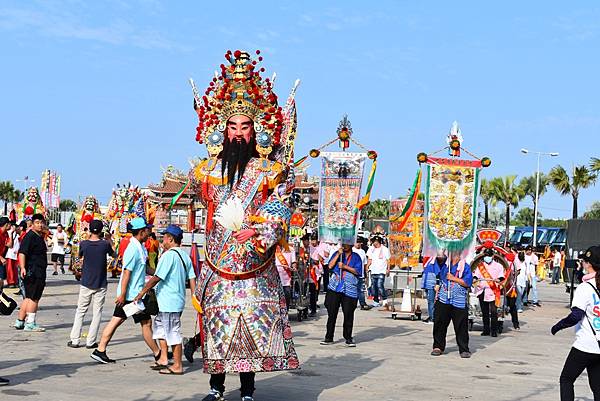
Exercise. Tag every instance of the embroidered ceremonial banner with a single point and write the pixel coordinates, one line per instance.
(405, 239)
(341, 181)
(451, 205)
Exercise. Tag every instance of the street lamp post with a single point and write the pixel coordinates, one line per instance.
(537, 189)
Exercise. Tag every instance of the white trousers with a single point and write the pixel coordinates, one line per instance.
(88, 296)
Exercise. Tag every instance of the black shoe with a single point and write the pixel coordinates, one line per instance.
(214, 395)
(312, 314)
(538, 304)
(485, 334)
(101, 357)
(71, 345)
(4, 382)
(494, 334)
(465, 355)
(55, 274)
(350, 344)
(62, 270)
(366, 307)
(188, 351)
(93, 346)
(326, 342)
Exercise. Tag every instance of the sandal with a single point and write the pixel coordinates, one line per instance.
(158, 366)
(157, 356)
(169, 371)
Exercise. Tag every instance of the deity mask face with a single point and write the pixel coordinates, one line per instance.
(240, 127)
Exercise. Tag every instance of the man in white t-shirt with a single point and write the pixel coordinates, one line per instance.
(379, 267)
(556, 260)
(358, 249)
(59, 241)
(531, 262)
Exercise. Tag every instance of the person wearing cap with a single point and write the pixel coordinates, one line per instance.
(33, 262)
(379, 266)
(346, 267)
(130, 284)
(173, 271)
(489, 274)
(93, 253)
(585, 316)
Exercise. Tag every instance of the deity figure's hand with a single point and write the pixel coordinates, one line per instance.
(244, 235)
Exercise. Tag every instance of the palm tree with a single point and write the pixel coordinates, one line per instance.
(486, 194)
(67, 205)
(7, 191)
(528, 185)
(378, 209)
(582, 178)
(595, 164)
(506, 191)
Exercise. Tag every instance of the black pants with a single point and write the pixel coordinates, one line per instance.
(490, 315)
(325, 278)
(312, 296)
(287, 292)
(217, 381)
(512, 307)
(333, 300)
(460, 320)
(576, 362)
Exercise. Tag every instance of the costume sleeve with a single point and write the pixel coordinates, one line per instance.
(271, 222)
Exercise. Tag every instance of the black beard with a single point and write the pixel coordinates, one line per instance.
(235, 158)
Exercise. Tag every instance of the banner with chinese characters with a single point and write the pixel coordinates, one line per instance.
(341, 181)
(405, 239)
(451, 205)
(50, 189)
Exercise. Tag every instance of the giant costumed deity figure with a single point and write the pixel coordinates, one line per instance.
(244, 184)
(31, 205)
(78, 229)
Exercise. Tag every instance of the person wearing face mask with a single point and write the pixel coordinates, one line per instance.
(489, 275)
(455, 279)
(429, 283)
(585, 316)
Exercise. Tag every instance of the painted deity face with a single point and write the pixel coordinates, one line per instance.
(240, 127)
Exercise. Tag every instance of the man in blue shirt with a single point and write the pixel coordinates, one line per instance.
(346, 267)
(173, 270)
(455, 280)
(131, 283)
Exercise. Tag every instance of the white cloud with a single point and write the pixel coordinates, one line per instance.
(69, 26)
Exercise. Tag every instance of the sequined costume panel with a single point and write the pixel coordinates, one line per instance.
(245, 322)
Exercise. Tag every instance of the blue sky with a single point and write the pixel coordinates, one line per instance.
(98, 90)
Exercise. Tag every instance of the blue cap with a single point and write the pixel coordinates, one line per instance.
(174, 230)
(138, 223)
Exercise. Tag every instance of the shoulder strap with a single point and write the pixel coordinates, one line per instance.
(588, 319)
(180, 258)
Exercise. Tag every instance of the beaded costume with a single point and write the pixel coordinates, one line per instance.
(243, 309)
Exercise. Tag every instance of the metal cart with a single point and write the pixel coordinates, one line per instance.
(401, 279)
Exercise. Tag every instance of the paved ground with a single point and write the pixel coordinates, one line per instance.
(391, 361)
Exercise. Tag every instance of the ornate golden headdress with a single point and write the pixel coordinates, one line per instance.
(238, 89)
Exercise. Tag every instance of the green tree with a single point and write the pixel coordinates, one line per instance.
(528, 185)
(486, 193)
(506, 191)
(593, 212)
(378, 209)
(582, 178)
(595, 164)
(67, 205)
(524, 217)
(7, 193)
